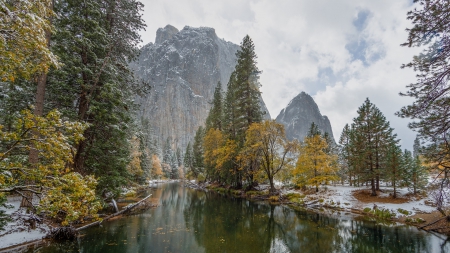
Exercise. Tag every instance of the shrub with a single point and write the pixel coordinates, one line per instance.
(414, 220)
(274, 198)
(403, 211)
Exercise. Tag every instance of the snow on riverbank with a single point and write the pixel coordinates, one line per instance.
(343, 197)
(17, 231)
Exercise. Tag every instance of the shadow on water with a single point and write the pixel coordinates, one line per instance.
(194, 221)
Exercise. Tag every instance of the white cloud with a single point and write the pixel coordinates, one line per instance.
(339, 51)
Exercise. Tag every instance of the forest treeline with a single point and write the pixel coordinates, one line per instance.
(70, 140)
(240, 149)
(66, 103)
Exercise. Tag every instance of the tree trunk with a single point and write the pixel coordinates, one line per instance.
(33, 156)
(378, 183)
(372, 182)
(395, 189)
(272, 187)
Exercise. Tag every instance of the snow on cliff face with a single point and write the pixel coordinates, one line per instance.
(298, 116)
(183, 68)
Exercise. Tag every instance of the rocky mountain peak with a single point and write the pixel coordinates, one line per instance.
(166, 33)
(183, 68)
(298, 116)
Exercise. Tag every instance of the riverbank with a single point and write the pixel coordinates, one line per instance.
(417, 211)
(24, 229)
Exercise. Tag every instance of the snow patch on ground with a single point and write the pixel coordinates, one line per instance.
(342, 196)
(18, 231)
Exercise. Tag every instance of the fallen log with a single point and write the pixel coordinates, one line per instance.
(128, 208)
(436, 221)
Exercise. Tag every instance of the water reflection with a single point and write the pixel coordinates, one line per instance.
(193, 221)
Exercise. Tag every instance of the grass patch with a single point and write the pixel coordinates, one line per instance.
(295, 197)
(236, 192)
(256, 193)
(384, 214)
(414, 220)
(403, 211)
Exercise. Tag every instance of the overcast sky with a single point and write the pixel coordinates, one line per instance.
(338, 51)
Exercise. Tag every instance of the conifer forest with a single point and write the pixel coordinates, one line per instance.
(102, 129)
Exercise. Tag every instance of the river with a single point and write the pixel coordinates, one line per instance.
(187, 220)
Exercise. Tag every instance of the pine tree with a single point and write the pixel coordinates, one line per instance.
(370, 139)
(313, 130)
(95, 41)
(431, 27)
(214, 119)
(188, 160)
(416, 174)
(197, 151)
(246, 89)
(230, 109)
(345, 153)
(395, 166)
(167, 159)
(179, 157)
(174, 166)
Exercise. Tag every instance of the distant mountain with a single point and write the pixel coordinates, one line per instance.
(298, 116)
(183, 68)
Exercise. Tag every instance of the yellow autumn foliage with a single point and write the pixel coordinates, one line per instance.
(266, 145)
(23, 43)
(134, 167)
(63, 194)
(156, 167)
(314, 165)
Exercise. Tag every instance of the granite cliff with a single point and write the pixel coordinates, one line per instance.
(183, 68)
(298, 116)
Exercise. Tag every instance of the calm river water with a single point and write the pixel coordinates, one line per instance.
(194, 221)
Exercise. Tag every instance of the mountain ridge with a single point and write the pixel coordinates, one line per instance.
(298, 115)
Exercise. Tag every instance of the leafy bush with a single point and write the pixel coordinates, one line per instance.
(274, 198)
(385, 214)
(235, 192)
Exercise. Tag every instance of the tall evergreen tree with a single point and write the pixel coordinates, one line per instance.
(417, 174)
(371, 136)
(188, 160)
(174, 166)
(241, 107)
(431, 106)
(230, 109)
(95, 41)
(395, 166)
(313, 130)
(346, 153)
(197, 151)
(246, 89)
(214, 119)
(179, 157)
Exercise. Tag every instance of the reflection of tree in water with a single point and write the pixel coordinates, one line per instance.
(191, 220)
(313, 232)
(226, 224)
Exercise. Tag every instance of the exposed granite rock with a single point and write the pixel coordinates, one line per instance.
(298, 116)
(166, 33)
(183, 69)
